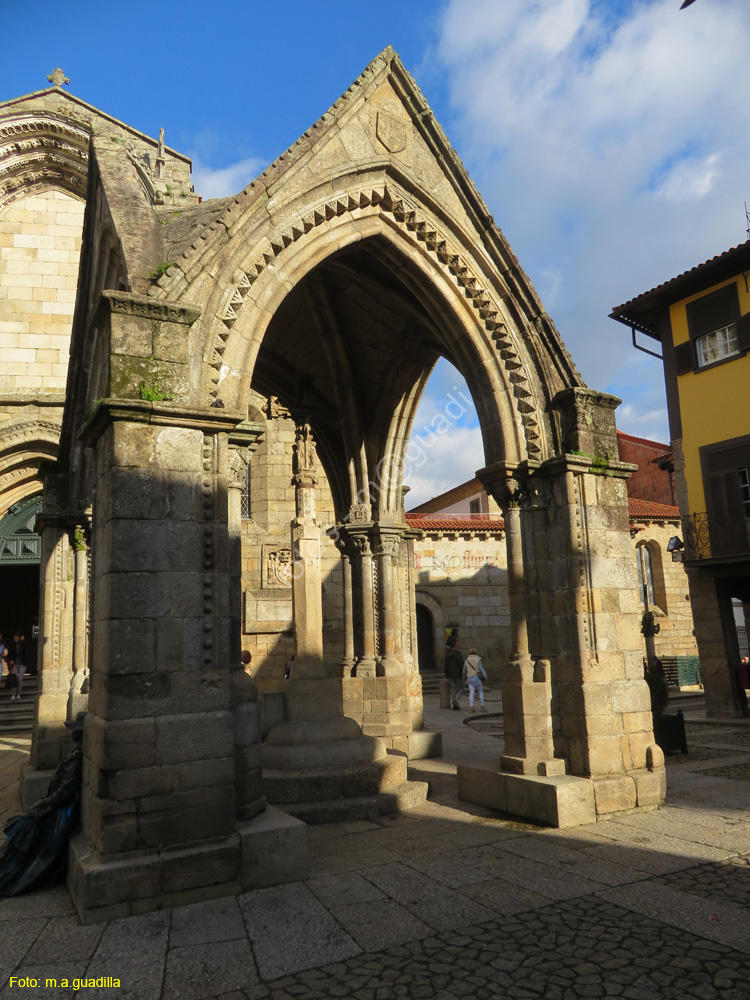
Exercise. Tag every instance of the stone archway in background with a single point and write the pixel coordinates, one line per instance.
(438, 622)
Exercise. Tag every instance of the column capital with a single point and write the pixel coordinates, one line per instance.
(164, 414)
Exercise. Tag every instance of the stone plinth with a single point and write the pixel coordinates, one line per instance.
(560, 801)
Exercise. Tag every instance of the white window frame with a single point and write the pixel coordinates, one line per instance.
(717, 345)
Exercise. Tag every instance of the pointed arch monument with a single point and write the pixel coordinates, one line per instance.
(331, 284)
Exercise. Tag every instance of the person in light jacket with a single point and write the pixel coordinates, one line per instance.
(473, 673)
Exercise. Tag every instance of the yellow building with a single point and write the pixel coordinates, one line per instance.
(702, 320)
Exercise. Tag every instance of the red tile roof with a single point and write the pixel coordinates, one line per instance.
(651, 511)
(639, 440)
(455, 522)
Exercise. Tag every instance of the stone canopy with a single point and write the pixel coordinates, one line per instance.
(330, 285)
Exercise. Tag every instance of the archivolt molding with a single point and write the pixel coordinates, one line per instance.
(420, 232)
(15, 435)
(41, 151)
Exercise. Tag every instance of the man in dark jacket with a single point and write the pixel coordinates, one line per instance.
(454, 669)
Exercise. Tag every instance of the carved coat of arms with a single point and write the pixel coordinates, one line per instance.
(393, 132)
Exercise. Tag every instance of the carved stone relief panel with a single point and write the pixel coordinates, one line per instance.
(277, 566)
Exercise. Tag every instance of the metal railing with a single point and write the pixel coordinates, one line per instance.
(713, 536)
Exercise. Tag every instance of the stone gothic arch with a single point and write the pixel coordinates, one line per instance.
(331, 284)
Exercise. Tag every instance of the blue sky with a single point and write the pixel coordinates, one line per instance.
(611, 140)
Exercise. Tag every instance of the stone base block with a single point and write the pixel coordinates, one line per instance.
(33, 785)
(417, 745)
(650, 787)
(615, 794)
(274, 850)
(268, 850)
(560, 801)
(103, 888)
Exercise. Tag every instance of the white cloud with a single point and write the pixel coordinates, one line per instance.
(611, 143)
(690, 179)
(444, 461)
(224, 181)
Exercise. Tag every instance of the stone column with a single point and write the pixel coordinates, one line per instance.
(78, 702)
(387, 549)
(307, 606)
(359, 534)
(606, 724)
(249, 799)
(348, 660)
(526, 685)
(569, 555)
(50, 739)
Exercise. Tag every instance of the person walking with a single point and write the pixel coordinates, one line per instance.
(473, 671)
(454, 672)
(18, 653)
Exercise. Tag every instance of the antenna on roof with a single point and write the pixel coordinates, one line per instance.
(747, 221)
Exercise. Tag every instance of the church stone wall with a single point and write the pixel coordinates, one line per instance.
(40, 245)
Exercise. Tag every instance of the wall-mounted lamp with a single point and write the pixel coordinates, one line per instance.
(674, 545)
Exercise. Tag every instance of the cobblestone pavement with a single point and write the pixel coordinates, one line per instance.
(446, 901)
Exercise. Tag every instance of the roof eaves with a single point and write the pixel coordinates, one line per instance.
(635, 311)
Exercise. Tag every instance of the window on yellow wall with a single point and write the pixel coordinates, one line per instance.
(717, 345)
(717, 331)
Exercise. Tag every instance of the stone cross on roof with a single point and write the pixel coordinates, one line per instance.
(58, 77)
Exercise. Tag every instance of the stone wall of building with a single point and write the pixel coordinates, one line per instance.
(461, 579)
(672, 608)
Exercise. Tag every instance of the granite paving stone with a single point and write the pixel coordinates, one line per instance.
(202, 923)
(379, 923)
(557, 853)
(348, 887)
(431, 902)
(447, 871)
(17, 937)
(291, 930)
(731, 835)
(546, 880)
(504, 897)
(202, 970)
(65, 940)
(51, 902)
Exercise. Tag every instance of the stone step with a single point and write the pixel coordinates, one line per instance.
(287, 788)
(404, 796)
(17, 717)
(431, 683)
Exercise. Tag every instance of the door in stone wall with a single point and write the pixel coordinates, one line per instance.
(425, 641)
